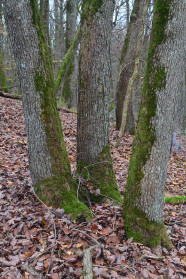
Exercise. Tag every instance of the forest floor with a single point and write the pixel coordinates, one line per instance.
(36, 244)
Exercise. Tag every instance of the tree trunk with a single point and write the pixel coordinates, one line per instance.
(69, 86)
(137, 88)
(48, 159)
(134, 75)
(127, 65)
(44, 10)
(144, 195)
(3, 84)
(93, 149)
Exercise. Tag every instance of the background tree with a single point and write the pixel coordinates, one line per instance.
(48, 159)
(127, 65)
(93, 150)
(144, 195)
(133, 77)
(44, 10)
(69, 87)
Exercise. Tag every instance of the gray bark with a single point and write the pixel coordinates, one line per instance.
(171, 55)
(127, 64)
(94, 84)
(137, 88)
(144, 195)
(28, 63)
(70, 83)
(48, 158)
(93, 149)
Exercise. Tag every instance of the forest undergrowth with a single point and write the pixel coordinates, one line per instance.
(37, 244)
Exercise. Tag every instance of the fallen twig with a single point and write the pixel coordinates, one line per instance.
(152, 257)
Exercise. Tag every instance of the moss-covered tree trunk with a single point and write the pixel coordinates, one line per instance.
(3, 85)
(44, 10)
(48, 159)
(70, 85)
(127, 65)
(144, 195)
(93, 150)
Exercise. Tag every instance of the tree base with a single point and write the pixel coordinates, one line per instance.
(56, 192)
(100, 176)
(150, 233)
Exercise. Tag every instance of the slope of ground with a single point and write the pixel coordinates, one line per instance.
(36, 244)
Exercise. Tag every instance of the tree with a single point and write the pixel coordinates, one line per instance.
(69, 86)
(93, 149)
(48, 159)
(133, 77)
(59, 42)
(3, 84)
(127, 62)
(44, 10)
(144, 194)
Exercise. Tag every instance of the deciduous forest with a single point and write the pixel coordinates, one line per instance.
(92, 129)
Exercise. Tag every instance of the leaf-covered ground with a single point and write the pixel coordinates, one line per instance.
(36, 244)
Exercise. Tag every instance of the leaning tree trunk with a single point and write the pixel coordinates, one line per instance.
(144, 195)
(127, 62)
(93, 149)
(48, 159)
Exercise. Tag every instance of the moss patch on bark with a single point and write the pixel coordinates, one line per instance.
(55, 191)
(91, 7)
(3, 84)
(101, 175)
(143, 230)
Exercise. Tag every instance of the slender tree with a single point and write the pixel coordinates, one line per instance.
(134, 75)
(144, 195)
(3, 84)
(48, 159)
(127, 63)
(93, 150)
(44, 10)
(69, 86)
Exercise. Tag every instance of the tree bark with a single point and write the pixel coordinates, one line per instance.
(3, 84)
(134, 75)
(44, 10)
(93, 149)
(70, 85)
(48, 159)
(144, 195)
(127, 65)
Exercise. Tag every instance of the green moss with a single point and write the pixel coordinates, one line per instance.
(91, 7)
(101, 175)
(3, 84)
(67, 93)
(175, 200)
(66, 62)
(155, 79)
(55, 191)
(60, 189)
(150, 233)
